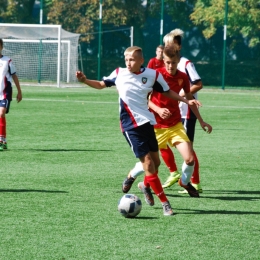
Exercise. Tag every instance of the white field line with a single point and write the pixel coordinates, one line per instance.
(69, 100)
(110, 102)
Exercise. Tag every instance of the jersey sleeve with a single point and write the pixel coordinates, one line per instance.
(160, 85)
(12, 69)
(186, 83)
(150, 64)
(192, 73)
(110, 80)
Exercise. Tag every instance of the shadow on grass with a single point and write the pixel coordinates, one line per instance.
(227, 195)
(221, 212)
(70, 150)
(26, 190)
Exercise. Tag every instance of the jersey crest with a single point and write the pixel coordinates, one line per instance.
(144, 80)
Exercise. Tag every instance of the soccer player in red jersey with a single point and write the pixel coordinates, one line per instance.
(7, 73)
(157, 62)
(188, 117)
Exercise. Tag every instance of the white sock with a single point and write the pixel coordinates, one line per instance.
(137, 170)
(187, 171)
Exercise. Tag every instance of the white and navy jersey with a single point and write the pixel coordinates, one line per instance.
(187, 67)
(7, 69)
(133, 90)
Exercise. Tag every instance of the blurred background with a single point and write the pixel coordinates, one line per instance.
(222, 38)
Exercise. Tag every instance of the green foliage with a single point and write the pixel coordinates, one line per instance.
(243, 18)
(17, 11)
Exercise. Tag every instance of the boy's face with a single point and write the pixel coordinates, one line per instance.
(159, 54)
(171, 64)
(133, 62)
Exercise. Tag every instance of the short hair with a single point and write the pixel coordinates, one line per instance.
(174, 35)
(1, 42)
(160, 47)
(171, 50)
(131, 50)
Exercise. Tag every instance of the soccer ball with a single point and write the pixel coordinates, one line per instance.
(129, 206)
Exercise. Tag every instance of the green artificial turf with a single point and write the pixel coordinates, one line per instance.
(62, 173)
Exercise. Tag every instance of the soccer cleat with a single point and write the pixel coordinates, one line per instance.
(127, 184)
(1, 146)
(167, 209)
(173, 178)
(190, 189)
(4, 145)
(196, 186)
(147, 193)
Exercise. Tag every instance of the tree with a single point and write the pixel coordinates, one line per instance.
(17, 11)
(243, 18)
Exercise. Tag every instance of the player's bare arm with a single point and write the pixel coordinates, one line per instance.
(19, 91)
(91, 83)
(205, 126)
(173, 95)
(164, 113)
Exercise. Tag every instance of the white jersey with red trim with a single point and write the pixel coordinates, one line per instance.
(188, 67)
(7, 69)
(133, 90)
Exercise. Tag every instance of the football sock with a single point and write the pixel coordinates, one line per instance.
(2, 127)
(168, 158)
(187, 171)
(156, 186)
(195, 178)
(137, 170)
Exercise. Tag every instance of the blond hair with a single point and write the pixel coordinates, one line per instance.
(136, 49)
(176, 34)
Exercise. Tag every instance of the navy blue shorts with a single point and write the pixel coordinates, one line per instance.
(189, 125)
(5, 103)
(142, 140)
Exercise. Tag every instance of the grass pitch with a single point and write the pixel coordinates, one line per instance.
(61, 180)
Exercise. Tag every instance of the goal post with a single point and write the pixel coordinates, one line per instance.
(42, 54)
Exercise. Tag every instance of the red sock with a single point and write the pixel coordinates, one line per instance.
(2, 127)
(169, 159)
(146, 183)
(195, 178)
(156, 186)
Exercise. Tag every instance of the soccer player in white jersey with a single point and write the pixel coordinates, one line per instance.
(188, 117)
(134, 83)
(7, 73)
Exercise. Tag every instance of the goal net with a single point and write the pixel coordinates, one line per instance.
(42, 54)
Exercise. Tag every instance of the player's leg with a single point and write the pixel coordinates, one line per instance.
(179, 139)
(145, 147)
(189, 125)
(3, 109)
(169, 160)
(152, 180)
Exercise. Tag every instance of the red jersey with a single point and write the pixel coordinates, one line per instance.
(176, 82)
(155, 63)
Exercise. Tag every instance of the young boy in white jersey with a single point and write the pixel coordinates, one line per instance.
(7, 73)
(134, 83)
(169, 129)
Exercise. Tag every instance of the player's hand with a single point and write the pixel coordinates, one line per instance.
(164, 113)
(19, 97)
(206, 127)
(194, 102)
(80, 76)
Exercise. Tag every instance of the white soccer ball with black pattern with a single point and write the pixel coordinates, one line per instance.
(129, 206)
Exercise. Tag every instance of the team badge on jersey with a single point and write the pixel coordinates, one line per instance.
(180, 81)
(144, 80)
